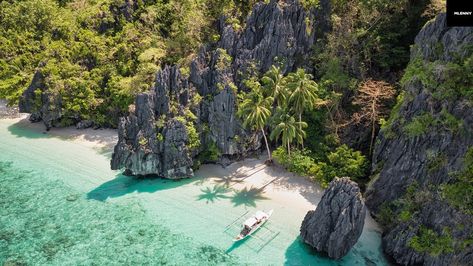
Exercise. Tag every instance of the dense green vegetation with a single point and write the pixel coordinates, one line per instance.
(422, 123)
(457, 85)
(427, 240)
(97, 54)
(460, 192)
(371, 38)
(276, 104)
(342, 162)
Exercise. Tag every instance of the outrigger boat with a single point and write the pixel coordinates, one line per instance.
(253, 223)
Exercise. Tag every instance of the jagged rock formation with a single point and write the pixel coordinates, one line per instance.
(280, 31)
(42, 104)
(168, 157)
(420, 150)
(337, 222)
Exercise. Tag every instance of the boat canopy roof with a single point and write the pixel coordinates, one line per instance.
(250, 222)
(260, 215)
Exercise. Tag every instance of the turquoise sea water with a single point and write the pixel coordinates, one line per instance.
(60, 204)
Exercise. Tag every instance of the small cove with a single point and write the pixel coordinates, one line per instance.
(61, 204)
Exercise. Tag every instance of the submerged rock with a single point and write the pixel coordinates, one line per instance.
(422, 151)
(337, 222)
(203, 101)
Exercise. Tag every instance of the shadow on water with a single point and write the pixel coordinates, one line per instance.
(235, 245)
(123, 185)
(19, 131)
(211, 194)
(259, 242)
(299, 253)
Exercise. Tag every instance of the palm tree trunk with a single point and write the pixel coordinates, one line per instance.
(267, 146)
(372, 136)
(373, 125)
(300, 127)
(288, 148)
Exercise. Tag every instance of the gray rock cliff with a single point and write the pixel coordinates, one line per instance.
(422, 150)
(42, 104)
(280, 32)
(337, 222)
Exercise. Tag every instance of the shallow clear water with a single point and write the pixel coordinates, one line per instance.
(60, 204)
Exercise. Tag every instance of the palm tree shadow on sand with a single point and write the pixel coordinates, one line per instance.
(248, 196)
(122, 185)
(211, 194)
(228, 180)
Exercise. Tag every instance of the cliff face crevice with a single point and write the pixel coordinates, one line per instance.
(422, 150)
(204, 99)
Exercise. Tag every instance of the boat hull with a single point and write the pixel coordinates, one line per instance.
(241, 237)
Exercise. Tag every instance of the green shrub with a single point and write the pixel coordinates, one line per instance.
(419, 125)
(340, 163)
(192, 134)
(224, 59)
(435, 162)
(405, 215)
(309, 4)
(385, 215)
(450, 122)
(460, 193)
(298, 162)
(345, 161)
(142, 141)
(427, 240)
(194, 139)
(457, 83)
(386, 126)
(210, 154)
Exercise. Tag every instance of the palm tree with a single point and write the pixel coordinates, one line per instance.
(303, 93)
(288, 129)
(273, 82)
(255, 110)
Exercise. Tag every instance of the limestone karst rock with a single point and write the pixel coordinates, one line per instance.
(337, 222)
(279, 31)
(411, 167)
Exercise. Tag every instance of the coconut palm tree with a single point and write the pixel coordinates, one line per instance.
(303, 93)
(255, 109)
(273, 85)
(288, 129)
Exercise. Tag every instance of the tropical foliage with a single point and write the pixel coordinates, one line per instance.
(98, 54)
(279, 106)
(255, 109)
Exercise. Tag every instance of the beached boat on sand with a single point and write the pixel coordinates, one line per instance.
(253, 223)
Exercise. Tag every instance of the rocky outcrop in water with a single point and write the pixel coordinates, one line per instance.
(204, 99)
(337, 222)
(421, 153)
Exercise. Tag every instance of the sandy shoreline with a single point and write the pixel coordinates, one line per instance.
(104, 139)
(272, 182)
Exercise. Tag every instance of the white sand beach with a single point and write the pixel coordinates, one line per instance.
(199, 207)
(103, 138)
(274, 182)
